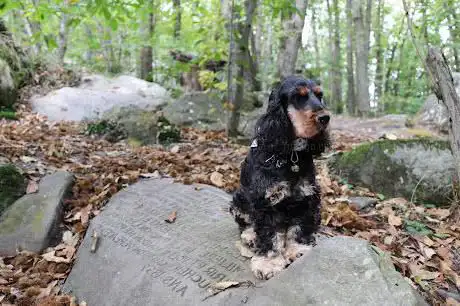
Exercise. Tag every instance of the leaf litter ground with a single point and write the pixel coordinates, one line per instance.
(423, 242)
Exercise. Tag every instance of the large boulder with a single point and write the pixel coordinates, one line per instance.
(198, 109)
(8, 88)
(98, 95)
(433, 112)
(146, 257)
(205, 110)
(13, 68)
(141, 126)
(418, 169)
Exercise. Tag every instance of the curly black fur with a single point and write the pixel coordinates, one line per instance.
(268, 166)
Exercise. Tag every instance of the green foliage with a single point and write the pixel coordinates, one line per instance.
(10, 115)
(12, 186)
(106, 36)
(417, 228)
(100, 127)
(167, 132)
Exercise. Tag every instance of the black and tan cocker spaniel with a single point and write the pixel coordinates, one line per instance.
(277, 206)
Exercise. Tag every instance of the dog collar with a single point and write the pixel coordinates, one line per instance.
(298, 145)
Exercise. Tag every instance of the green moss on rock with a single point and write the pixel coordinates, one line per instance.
(12, 186)
(422, 168)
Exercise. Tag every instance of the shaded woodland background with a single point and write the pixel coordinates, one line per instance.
(359, 50)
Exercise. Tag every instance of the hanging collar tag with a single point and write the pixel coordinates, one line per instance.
(300, 144)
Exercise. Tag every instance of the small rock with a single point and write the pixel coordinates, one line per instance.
(175, 149)
(31, 223)
(362, 202)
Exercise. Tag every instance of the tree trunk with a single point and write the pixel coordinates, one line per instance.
(89, 36)
(62, 43)
(107, 48)
(445, 91)
(335, 62)
(453, 25)
(146, 54)
(31, 28)
(362, 20)
(178, 23)
(291, 40)
(314, 26)
(253, 64)
(351, 97)
(389, 65)
(242, 29)
(378, 52)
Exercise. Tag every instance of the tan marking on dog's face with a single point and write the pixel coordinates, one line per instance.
(265, 267)
(278, 193)
(304, 122)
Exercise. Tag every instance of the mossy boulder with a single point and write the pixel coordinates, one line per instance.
(14, 67)
(203, 110)
(142, 126)
(12, 186)
(417, 169)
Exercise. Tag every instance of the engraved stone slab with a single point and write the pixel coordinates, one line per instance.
(143, 260)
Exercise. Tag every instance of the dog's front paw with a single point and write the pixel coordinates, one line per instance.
(265, 267)
(248, 237)
(244, 250)
(295, 250)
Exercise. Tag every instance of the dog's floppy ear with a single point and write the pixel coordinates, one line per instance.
(273, 127)
(274, 100)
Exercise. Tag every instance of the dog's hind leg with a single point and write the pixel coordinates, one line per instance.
(239, 209)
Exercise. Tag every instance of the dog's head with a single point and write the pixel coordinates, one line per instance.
(296, 110)
(302, 101)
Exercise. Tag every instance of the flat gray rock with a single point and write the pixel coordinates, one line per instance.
(363, 203)
(31, 223)
(142, 260)
(339, 271)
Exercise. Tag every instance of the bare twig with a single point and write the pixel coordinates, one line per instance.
(94, 242)
(415, 189)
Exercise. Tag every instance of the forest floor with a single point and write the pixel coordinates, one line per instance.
(425, 250)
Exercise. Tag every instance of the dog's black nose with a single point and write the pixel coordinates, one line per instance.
(324, 119)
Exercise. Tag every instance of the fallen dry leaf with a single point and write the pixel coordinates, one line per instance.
(217, 179)
(51, 257)
(32, 187)
(440, 213)
(452, 302)
(394, 220)
(172, 217)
